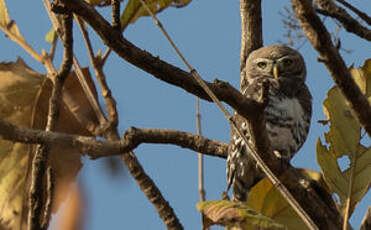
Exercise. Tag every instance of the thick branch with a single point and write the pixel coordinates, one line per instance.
(349, 23)
(251, 32)
(321, 41)
(158, 68)
(132, 139)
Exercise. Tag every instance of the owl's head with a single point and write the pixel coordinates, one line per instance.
(279, 64)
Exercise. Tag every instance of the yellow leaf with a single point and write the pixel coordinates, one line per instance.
(331, 171)
(134, 9)
(235, 214)
(49, 37)
(343, 139)
(345, 130)
(265, 199)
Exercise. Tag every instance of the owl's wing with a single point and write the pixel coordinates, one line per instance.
(305, 99)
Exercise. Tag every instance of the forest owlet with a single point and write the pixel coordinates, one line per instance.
(287, 115)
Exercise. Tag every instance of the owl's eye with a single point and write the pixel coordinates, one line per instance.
(287, 62)
(262, 65)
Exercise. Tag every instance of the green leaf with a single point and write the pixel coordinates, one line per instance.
(235, 214)
(134, 9)
(343, 139)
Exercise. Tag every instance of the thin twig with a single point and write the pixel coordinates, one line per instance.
(98, 70)
(53, 47)
(40, 159)
(22, 43)
(201, 189)
(275, 181)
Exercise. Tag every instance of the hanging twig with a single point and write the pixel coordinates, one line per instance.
(40, 159)
(275, 181)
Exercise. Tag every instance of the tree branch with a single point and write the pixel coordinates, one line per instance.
(322, 212)
(361, 14)
(320, 39)
(132, 139)
(251, 32)
(115, 14)
(158, 68)
(349, 23)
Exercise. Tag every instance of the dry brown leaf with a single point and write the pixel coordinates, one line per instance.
(24, 96)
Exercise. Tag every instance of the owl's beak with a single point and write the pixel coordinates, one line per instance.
(275, 72)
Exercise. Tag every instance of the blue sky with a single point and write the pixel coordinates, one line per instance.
(208, 34)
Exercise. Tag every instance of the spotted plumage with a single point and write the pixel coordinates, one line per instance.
(287, 115)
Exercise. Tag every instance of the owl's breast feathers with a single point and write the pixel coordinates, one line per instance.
(288, 120)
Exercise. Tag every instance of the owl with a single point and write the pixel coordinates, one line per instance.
(287, 115)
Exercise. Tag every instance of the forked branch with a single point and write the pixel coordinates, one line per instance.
(40, 159)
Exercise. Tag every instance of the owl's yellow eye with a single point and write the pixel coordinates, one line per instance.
(262, 65)
(287, 62)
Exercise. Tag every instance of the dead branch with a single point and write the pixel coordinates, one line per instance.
(360, 14)
(320, 39)
(329, 8)
(132, 139)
